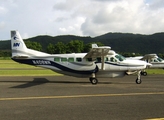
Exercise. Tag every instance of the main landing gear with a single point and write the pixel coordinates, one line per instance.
(138, 80)
(144, 73)
(93, 79)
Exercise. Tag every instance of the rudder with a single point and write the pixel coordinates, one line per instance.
(17, 44)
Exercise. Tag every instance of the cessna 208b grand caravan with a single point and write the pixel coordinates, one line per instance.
(98, 62)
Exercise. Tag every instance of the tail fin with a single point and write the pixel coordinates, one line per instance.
(17, 44)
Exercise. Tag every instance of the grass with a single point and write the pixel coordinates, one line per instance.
(155, 71)
(11, 68)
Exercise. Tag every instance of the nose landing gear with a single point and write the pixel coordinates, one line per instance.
(93, 79)
(138, 80)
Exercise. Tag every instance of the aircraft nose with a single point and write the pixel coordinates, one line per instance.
(148, 64)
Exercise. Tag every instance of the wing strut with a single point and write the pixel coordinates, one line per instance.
(96, 52)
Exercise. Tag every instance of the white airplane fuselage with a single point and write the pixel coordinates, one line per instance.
(74, 64)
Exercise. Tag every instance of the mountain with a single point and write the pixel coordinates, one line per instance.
(137, 43)
(120, 42)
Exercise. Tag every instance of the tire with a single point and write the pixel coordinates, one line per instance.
(138, 81)
(94, 81)
(144, 73)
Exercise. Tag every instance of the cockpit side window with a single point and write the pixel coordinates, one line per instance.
(155, 60)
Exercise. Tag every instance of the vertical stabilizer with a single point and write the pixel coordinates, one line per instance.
(17, 44)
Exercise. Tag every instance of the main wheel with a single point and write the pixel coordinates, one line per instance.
(138, 81)
(144, 73)
(94, 81)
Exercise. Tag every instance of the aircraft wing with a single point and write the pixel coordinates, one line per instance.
(96, 52)
(148, 56)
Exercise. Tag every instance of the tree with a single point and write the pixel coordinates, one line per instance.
(33, 45)
(50, 48)
(60, 48)
(161, 55)
(75, 46)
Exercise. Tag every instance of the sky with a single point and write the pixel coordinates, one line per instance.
(80, 17)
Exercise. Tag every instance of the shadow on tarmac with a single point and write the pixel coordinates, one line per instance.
(40, 81)
(36, 81)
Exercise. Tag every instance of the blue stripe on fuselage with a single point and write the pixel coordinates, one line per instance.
(51, 63)
(120, 64)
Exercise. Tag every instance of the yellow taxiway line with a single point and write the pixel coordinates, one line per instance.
(80, 96)
(155, 119)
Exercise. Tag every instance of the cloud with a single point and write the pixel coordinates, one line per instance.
(124, 16)
(60, 19)
(2, 10)
(156, 4)
(2, 25)
(66, 5)
(87, 17)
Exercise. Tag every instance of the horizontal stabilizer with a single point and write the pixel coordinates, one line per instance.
(20, 57)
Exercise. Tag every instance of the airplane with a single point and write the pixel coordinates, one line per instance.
(99, 62)
(153, 59)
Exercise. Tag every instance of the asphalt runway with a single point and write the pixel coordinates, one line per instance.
(69, 98)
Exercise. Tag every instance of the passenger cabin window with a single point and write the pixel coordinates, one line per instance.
(57, 59)
(78, 59)
(63, 59)
(99, 59)
(89, 59)
(112, 59)
(106, 59)
(70, 59)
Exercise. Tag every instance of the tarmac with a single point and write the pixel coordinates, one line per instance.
(70, 98)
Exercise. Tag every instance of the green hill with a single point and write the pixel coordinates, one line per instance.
(120, 42)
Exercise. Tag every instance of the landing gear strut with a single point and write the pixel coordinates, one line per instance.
(138, 80)
(93, 79)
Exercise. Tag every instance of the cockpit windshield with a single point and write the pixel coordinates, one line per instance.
(120, 57)
(159, 59)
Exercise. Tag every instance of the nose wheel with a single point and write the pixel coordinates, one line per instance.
(94, 81)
